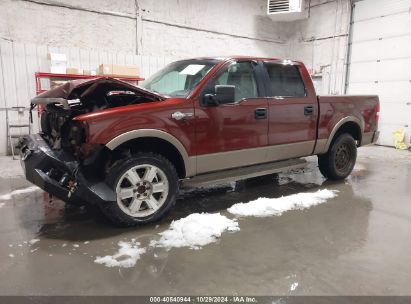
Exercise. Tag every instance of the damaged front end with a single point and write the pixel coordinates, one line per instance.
(78, 97)
(58, 159)
(60, 174)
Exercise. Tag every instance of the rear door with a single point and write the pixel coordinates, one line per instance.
(292, 110)
(233, 134)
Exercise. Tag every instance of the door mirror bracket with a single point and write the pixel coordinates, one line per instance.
(210, 100)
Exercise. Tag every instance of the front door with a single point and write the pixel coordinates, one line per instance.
(233, 134)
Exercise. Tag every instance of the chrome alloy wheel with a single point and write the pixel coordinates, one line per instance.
(142, 190)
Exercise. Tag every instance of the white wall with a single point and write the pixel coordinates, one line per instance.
(213, 27)
(321, 42)
(147, 27)
(31, 22)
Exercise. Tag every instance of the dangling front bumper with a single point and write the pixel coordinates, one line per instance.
(60, 174)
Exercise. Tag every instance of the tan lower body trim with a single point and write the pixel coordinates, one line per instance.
(321, 146)
(247, 157)
(190, 166)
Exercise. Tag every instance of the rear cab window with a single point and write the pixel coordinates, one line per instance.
(284, 80)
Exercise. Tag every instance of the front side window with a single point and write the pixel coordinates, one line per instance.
(241, 75)
(180, 78)
(285, 80)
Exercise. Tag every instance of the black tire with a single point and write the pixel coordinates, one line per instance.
(113, 211)
(340, 159)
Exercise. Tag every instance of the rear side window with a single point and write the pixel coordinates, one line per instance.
(285, 80)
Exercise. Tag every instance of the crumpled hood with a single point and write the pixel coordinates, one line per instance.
(81, 88)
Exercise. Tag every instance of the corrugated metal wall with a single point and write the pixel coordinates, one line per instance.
(19, 62)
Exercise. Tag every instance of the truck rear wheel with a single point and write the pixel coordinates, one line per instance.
(146, 186)
(340, 159)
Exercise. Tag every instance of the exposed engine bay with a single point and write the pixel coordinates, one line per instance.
(74, 98)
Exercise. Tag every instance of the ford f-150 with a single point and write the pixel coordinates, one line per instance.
(128, 149)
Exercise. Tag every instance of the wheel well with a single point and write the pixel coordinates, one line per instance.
(154, 145)
(351, 128)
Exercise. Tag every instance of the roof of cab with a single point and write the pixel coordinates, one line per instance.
(231, 57)
(241, 57)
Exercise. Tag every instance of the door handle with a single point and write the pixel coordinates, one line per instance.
(180, 115)
(260, 113)
(308, 110)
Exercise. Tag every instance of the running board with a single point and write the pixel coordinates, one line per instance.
(242, 173)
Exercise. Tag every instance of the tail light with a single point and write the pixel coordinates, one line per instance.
(377, 112)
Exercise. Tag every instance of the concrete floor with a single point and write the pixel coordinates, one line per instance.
(358, 243)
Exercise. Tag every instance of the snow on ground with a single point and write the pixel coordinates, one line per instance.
(34, 241)
(294, 286)
(2, 205)
(359, 167)
(195, 231)
(200, 229)
(127, 256)
(276, 206)
(9, 195)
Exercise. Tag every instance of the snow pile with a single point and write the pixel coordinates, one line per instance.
(2, 205)
(127, 256)
(34, 241)
(276, 206)
(199, 229)
(293, 286)
(359, 167)
(9, 195)
(195, 231)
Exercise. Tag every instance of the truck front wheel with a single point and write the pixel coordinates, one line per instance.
(340, 159)
(146, 186)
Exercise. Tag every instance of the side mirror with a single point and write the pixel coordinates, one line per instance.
(225, 93)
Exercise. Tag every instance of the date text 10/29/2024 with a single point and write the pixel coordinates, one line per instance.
(203, 299)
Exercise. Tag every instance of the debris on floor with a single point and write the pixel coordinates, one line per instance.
(399, 139)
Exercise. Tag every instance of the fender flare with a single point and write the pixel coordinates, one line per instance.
(338, 125)
(189, 162)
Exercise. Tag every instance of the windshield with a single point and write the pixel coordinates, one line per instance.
(179, 78)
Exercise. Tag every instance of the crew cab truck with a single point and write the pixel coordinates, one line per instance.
(127, 149)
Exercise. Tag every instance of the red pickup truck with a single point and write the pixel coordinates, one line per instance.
(127, 149)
